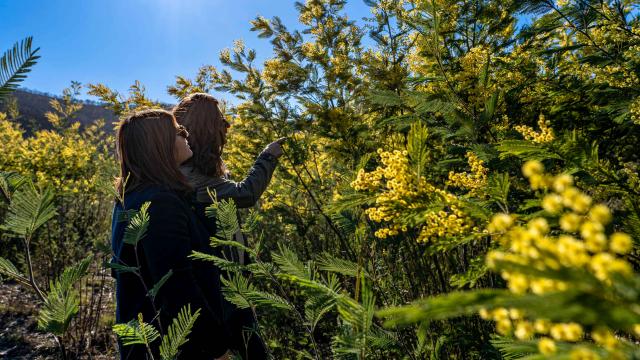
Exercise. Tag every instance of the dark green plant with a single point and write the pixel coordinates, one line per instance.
(15, 64)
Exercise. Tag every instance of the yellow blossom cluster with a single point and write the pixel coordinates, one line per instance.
(400, 190)
(545, 134)
(312, 9)
(473, 181)
(582, 245)
(631, 171)
(65, 161)
(442, 223)
(278, 73)
(634, 110)
(313, 50)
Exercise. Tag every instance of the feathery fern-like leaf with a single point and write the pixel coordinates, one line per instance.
(137, 227)
(289, 263)
(28, 210)
(62, 301)
(9, 183)
(328, 262)
(178, 332)
(157, 286)
(15, 63)
(239, 291)
(221, 263)
(525, 150)
(8, 269)
(136, 332)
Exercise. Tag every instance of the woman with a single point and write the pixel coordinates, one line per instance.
(151, 146)
(199, 113)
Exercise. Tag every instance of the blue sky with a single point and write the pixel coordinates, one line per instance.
(116, 42)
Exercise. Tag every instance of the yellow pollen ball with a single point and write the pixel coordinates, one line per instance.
(562, 182)
(583, 354)
(546, 346)
(552, 203)
(531, 168)
(524, 330)
(620, 243)
(570, 222)
(600, 213)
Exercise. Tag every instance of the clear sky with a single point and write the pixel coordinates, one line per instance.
(116, 42)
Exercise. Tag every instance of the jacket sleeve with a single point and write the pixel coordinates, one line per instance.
(166, 247)
(246, 192)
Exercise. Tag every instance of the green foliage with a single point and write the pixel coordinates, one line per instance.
(15, 63)
(9, 183)
(225, 213)
(137, 227)
(240, 292)
(178, 332)
(62, 301)
(29, 210)
(439, 79)
(136, 332)
(8, 269)
(158, 285)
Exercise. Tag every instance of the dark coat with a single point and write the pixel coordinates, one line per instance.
(174, 231)
(245, 194)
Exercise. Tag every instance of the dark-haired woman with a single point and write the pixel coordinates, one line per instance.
(151, 147)
(207, 127)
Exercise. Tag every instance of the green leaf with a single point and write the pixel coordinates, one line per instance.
(137, 227)
(154, 291)
(215, 242)
(122, 268)
(10, 182)
(223, 264)
(7, 268)
(14, 64)
(62, 301)
(385, 98)
(316, 307)
(28, 210)
(178, 332)
(240, 292)
(498, 188)
(328, 262)
(417, 146)
(136, 332)
(289, 263)
(525, 150)
(226, 214)
(443, 307)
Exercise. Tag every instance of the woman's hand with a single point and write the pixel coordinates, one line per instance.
(275, 148)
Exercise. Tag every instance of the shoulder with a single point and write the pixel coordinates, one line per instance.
(156, 195)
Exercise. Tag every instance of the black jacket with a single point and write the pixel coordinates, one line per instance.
(245, 193)
(173, 232)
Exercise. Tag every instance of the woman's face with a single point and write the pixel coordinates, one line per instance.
(226, 124)
(182, 150)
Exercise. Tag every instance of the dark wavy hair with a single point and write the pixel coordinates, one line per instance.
(199, 113)
(146, 143)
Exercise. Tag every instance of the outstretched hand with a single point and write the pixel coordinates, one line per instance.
(275, 148)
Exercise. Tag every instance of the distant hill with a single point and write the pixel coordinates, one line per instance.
(32, 106)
